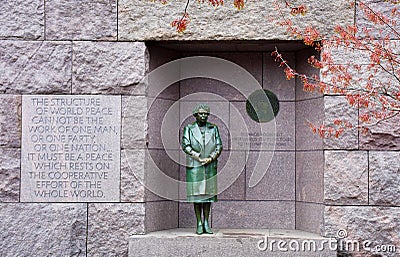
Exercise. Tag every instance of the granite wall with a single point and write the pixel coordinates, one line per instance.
(359, 182)
(98, 47)
(69, 48)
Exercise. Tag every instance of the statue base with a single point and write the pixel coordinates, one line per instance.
(232, 242)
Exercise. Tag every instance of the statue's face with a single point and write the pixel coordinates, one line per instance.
(202, 116)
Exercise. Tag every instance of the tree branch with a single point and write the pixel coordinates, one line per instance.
(380, 18)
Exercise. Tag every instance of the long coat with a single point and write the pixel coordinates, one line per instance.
(201, 179)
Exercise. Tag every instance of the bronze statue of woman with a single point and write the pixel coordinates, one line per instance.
(202, 144)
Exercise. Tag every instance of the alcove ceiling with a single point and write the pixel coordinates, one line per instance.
(230, 46)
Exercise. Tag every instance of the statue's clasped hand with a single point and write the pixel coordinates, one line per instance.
(205, 161)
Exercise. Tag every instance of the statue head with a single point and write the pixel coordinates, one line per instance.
(203, 107)
(201, 112)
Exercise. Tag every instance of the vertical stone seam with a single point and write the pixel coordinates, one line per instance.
(323, 181)
(179, 207)
(358, 130)
(145, 215)
(20, 157)
(72, 66)
(179, 150)
(117, 3)
(262, 69)
(355, 13)
(87, 228)
(120, 153)
(44, 19)
(295, 146)
(368, 177)
(247, 153)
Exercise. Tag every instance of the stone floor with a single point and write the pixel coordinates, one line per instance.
(230, 242)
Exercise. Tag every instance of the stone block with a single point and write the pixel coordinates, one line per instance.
(384, 136)
(394, 45)
(160, 55)
(134, 122)
(22, 19)
(10, 168)
(162, 175)
(337, 107)
(70, 148)
(360, 73)
(199, 85)
(278, 182)
(109, 68)
(375, 226)
(303, 67)
(378, 31)
(348, 55)
(232, 177)
(285, 126)
(170, 93)
(82, 20)
(163, 124)
(10, 120)
(254, 214)
(384, 178)
(230, 242)
(187, 217)
(43, 229)
(346, 177)
(309, 217)
(250, 62)
(274, 78)
(165, 74)
(249, 134)
(207, 90)
(161, 215)
(29, 67)
(310, 176)
(132, 175)
(309, 111)
(144, 20)
(111, 224)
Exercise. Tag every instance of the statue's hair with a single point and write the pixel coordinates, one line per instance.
(201, 106)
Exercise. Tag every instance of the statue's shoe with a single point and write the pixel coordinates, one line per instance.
(199, 230)
(207, 228)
